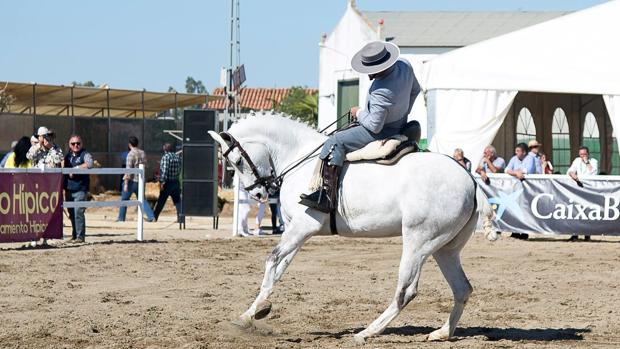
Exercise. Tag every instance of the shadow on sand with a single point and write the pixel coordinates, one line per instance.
(491, 333)
(67, 244)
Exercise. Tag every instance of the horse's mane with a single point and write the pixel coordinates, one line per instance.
(276, 128)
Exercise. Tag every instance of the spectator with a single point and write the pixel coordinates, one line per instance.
(461, 159)
(76, 186)
(547, 167)
(123, 165)
(490, 163)
(274, 207)
(262, 205)
(135, 157)
(532, 160)
(516, 167)
(18, 159)
(45, 154)
(6, 157)
(34, 139)
(169, 170)
(582, 165)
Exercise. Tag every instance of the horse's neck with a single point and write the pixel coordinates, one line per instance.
(285, 153)
(287, 145)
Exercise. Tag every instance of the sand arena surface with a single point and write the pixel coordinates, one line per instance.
(181, 289)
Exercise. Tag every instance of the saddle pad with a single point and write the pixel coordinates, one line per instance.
(377, 149)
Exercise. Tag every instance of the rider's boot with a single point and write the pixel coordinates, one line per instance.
(324, 199)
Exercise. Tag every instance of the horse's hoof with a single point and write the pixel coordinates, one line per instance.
(359, 339)
(438, 335)
(242, 322)
(262, 309)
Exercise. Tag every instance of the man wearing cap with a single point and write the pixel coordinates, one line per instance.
(390, 98)
(45, 154)
(532, 161)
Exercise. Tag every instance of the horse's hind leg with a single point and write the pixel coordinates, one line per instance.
(449, 261)
(415, 252)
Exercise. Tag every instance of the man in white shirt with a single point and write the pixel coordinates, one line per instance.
(582, 165)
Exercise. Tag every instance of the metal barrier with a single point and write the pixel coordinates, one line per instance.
(99, 171)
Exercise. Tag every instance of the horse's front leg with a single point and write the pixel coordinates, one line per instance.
(277, 262)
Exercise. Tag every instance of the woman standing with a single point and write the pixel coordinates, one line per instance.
(18, 158)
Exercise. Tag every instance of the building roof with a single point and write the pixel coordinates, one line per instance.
(255, 98)
(41, 99)
(452, 28)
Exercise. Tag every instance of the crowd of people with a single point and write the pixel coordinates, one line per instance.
(528, 159)
(42, 151)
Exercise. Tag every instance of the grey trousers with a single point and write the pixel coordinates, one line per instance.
(351, 139)
(78, 221)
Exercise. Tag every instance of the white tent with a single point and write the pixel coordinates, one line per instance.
(470, 90)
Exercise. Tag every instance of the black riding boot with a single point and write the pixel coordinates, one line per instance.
(324, 199)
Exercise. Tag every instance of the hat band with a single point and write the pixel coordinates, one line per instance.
(381, 60)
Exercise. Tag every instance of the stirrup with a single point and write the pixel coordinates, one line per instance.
(317, 200)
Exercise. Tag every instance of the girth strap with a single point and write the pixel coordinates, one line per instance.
(332, 222)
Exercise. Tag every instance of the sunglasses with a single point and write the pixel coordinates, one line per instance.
(76, 143)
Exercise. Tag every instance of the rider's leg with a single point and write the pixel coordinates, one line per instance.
(333, 155)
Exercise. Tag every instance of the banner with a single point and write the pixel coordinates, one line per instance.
(555, 204)
(30, 206)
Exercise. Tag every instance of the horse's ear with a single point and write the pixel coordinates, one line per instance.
(223, 139)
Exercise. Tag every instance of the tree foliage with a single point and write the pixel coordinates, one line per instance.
(88, 83)
(300, 105)
(194, 86)
(6, 99)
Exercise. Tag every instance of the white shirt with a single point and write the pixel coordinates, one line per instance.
(580, 168)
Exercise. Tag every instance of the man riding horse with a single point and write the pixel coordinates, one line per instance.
(389, 101)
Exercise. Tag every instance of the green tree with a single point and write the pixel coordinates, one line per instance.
(300, 105)
(88, 83)
(194, 86)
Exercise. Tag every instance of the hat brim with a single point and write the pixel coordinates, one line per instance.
(356, 61)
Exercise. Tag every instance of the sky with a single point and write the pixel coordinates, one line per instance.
(155, 44)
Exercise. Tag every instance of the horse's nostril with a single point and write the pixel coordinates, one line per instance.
(258, 195)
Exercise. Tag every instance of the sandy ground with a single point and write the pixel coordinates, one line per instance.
(181, 288)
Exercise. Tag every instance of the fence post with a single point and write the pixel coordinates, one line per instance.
(140, 232)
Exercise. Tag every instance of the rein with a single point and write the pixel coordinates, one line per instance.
(271, 182)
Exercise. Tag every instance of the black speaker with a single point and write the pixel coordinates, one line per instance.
(199, 163)
(196, 123)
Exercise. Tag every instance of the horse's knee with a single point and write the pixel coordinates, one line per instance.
(405, 295)
(274, 257)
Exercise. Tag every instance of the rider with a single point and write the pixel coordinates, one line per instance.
(389, 101)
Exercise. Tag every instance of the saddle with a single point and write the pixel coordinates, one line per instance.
(389, 151)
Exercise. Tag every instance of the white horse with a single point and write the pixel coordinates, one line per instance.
(427, 197)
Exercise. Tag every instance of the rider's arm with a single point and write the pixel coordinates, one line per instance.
(373, 116)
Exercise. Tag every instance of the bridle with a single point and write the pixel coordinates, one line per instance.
(266, 181)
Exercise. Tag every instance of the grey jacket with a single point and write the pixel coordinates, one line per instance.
(390, 98)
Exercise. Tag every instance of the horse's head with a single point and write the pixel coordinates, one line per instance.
(251, 161)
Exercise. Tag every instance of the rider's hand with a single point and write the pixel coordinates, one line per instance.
(354, 113)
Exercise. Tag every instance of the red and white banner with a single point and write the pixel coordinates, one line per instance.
(30, 206)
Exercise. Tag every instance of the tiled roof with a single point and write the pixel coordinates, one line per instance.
(255, 98)
(453, 28)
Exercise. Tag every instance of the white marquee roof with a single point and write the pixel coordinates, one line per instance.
(575, 53)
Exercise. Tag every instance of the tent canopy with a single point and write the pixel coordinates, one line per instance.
(575, 53)
(91, 101)
(470, 90)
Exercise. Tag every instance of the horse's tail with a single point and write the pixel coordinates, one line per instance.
(487, 215)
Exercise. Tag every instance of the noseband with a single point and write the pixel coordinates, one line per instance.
(267, 181)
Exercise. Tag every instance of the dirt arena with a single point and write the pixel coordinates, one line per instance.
(180, 289)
